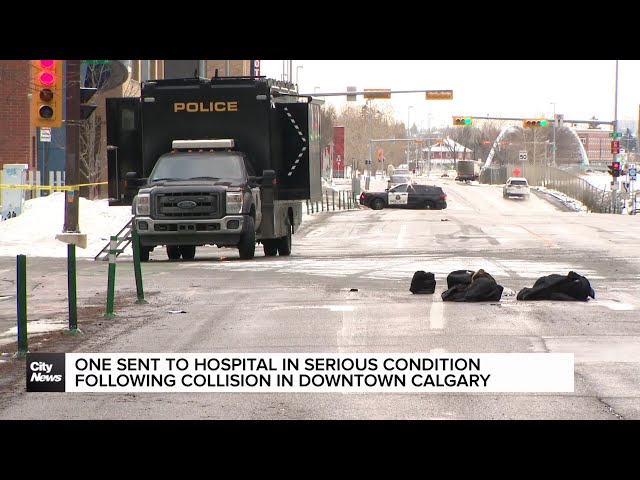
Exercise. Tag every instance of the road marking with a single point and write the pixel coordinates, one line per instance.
(548, 243)
(436, 317)
(400, 240)
(340, 308)
(613, 305)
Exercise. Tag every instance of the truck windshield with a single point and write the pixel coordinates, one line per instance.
(188, 165)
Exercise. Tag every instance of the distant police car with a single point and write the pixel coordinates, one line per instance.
(406, 195)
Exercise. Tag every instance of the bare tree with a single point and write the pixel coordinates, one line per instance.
(93, 157)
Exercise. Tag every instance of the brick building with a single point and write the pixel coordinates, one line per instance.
(16, 134)
(18, 139)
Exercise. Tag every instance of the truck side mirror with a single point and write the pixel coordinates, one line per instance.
(131, 180)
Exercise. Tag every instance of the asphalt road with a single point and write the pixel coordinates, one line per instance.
(345, 289)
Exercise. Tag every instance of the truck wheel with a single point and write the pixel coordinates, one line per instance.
(173, 252)
(247, 245)
(270, 248)
(284, 244)
(377, 204)
(188, 251)
(144, 253)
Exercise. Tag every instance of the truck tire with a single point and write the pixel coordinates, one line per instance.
(284, 244)
(173, 252)
(144, 253)
(377, 204)
(188, 252)
(270, 248)
(247, 245)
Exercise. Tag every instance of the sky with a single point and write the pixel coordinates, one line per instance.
(580, 89)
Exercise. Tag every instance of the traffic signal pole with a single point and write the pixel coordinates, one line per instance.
(71, 229)
(72, 148)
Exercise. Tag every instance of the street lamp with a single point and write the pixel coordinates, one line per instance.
(297, 70)
(114, 147)
(408, 132)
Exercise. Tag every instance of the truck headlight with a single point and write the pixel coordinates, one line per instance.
(234, 202)
(143, 203)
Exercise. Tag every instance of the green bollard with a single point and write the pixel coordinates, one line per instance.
(136, 266)
(71, 287)
(21, 284)
(111, 285)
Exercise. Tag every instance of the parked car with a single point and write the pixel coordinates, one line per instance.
(406, 195)
(516, 187)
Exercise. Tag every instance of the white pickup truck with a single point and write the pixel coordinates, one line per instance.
(516, 187)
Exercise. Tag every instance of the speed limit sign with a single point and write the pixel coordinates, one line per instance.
(522, 155)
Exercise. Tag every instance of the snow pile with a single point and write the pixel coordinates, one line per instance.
(568, 201)
(33, 232)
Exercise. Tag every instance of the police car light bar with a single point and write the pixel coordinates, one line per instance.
(202, 144)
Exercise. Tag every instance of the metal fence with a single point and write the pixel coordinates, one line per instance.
(332, 201)
(594, 199)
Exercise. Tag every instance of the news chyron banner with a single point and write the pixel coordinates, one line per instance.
(300, 372)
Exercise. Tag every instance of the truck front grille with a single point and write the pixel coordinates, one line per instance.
(187, 205)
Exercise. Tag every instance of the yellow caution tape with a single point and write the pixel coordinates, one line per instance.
(51, 187)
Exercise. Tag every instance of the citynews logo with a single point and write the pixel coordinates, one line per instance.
(45, 372)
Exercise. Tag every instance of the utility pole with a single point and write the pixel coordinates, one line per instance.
(555, 123)
(72, 148)
(615, 131)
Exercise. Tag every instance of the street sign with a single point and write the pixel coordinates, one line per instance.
(625, 187)
(522, 155)
(559, 119)
(614, 185)
(615, 146)
(45, 134)
(632, 173)
(351, 98)
(516, 172)
(377, 93)
(615, 134)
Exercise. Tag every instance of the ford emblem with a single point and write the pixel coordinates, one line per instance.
(187, 204)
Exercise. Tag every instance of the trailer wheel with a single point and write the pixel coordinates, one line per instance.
(173, 252)
(270, 247)
(247, 245)
(284, 244)
(144, 253)
(188, 252)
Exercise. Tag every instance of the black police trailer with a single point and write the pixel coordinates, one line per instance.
(225, 161)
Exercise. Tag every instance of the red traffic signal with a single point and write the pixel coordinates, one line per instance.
(614, 169)
(46, 93)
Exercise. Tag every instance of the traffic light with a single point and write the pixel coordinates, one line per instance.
(462, 121)
(439, 94)
(614, 169)
(535, 123)
(46, 93)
